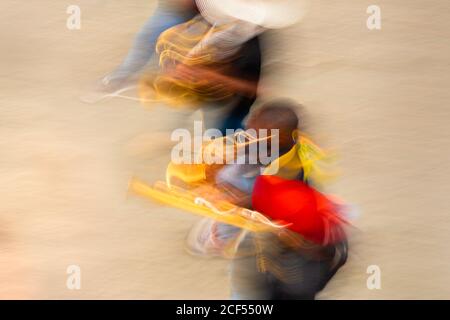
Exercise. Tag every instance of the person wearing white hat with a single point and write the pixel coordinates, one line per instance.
(269, 14)
(241, 20)
(235, 29)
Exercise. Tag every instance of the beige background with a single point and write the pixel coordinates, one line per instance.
(379, 97)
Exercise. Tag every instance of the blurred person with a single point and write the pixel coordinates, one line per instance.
(235, 181)
(302, 243)
(213, 61)
(220, 64)
(167, 14)
(297, 262)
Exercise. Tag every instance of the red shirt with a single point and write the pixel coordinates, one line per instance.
(310, 213)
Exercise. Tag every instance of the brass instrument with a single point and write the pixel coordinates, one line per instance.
(182, 44)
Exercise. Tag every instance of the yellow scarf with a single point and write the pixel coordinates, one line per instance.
(306, 156)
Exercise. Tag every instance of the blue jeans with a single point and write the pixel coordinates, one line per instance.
(297, 276)
(144, 44)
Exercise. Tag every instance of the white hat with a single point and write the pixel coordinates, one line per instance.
(270, 14)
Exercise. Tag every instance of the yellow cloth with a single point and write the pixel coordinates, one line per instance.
(175, 46)
(306, 156)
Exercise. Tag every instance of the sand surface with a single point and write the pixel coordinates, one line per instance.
(380, 98)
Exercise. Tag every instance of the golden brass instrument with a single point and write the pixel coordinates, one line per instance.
(182, 44)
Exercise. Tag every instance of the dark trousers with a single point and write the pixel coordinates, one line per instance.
(281, 273)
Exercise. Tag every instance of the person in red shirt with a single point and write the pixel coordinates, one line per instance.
(297, 262)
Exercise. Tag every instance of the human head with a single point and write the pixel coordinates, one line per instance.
(278, 114)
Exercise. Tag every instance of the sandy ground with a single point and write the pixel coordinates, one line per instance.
(379, 97)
